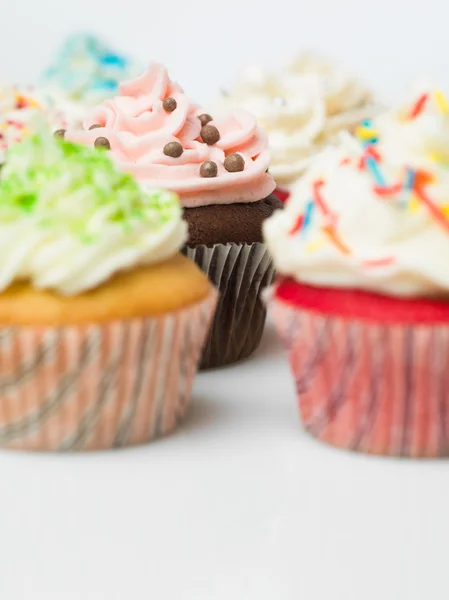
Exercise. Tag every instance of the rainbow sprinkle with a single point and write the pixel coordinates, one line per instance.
(304, 219)
(335, 238)
(366, 132)
(408, 187)
(372, 165)
(297, 226)
(441, 102)
(431, 206)
(317, 185)
(316, 245)
(308, 214)
(387, 190)
(418, 107)
(379, 262)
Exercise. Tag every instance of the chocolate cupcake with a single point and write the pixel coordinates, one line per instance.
(219, 169)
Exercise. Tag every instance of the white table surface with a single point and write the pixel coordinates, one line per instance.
(239, 504)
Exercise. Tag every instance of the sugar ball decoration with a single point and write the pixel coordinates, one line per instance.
(209, 169)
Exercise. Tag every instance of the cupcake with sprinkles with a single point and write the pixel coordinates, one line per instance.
(101, 319)
(22, 109)
(362, 299)
(87, 70)
(219, 169)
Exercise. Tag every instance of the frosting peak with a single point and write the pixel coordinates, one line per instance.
(373, 212)
(156, 133)
(69, 219)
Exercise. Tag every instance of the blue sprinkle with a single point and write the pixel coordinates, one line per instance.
(367, 123)
(409, 181)
(374, 168)
(409, 184)
(114, 60)
(308, 214)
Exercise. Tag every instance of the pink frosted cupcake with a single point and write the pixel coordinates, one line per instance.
(362, 299)
(219, 169)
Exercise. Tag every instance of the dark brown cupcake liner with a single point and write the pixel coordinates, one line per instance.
(240, 272)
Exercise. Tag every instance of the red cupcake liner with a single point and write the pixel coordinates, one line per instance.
(375, 387)
(282, 194)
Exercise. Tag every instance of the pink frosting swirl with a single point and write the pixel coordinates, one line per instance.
(138, 128)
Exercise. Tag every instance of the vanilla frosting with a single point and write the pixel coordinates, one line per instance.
(22, 109)
(139, 128)
(69, 219)
(86, 70)
(373, 212)
(302, 106)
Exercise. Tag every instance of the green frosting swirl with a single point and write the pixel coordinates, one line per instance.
(78, 190)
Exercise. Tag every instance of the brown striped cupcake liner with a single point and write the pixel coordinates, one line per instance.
(371, 387)
(99, 386)
(240, 272)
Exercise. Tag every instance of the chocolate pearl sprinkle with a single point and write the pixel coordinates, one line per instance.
(95, 127)
(59, 133)
(169, 104)
(205, 119)
(210, 135)
(234, 163)
(102, 142)
(209, 169)
(173, 149)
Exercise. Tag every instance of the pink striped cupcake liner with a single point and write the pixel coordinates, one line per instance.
(99, 386)
(371, 387)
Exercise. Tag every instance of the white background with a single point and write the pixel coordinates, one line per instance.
(239, 504)
(203, 42)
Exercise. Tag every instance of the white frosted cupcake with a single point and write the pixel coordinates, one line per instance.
(102, 321)
(362, 296)
(302, 106)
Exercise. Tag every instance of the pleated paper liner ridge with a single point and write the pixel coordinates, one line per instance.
(99, 386)
(378, 388)
(240, 272)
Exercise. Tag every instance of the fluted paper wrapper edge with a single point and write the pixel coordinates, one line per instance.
(370, 387)
(97, 387)
(240, 272)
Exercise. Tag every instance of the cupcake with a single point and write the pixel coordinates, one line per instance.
(302, 106)
(22, 109)
(362, 297)
(86, 70)
(102, 320)
(219, 169)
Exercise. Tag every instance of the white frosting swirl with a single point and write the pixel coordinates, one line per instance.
(69, 220)
(302, 107)
(374, 215)
(52, 260)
